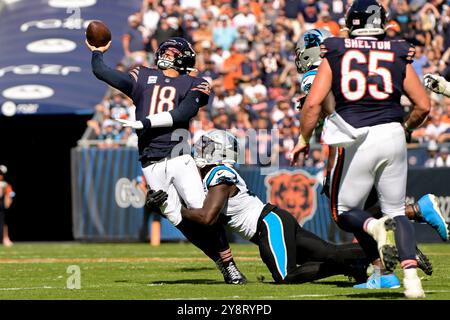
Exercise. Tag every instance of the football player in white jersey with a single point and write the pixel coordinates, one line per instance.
(291, 253)
(425, 210)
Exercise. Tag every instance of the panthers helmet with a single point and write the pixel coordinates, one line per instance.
(175, 53)
(216, 147)
(366, 18)
(307, 51)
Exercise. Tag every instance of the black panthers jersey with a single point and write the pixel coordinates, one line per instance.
(152, 93)
(368, 78)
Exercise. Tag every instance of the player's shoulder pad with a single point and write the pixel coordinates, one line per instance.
(202, 85)
(307, 80)
(405, 50)
(221, 175)
(331, 47)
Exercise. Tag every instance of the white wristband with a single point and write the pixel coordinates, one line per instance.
(163, 119)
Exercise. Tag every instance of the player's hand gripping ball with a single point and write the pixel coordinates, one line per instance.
(98, 34)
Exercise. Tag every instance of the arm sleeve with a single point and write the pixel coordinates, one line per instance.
(117, 79)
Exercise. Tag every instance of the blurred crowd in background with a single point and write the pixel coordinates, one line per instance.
(245, 49)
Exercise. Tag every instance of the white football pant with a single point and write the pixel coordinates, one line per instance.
(379, 159)
(181, 180)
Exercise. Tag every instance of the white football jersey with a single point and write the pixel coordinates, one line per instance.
(242, 210)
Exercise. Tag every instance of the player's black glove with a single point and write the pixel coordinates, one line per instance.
(326, 186)
(301, 102)
(155, 199)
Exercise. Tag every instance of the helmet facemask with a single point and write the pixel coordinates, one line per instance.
(307, 51)
(166, 58)
(214, 148)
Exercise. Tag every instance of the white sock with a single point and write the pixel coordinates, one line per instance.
(410, 273)
(370, 225)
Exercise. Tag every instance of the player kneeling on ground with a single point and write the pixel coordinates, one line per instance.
(292, 254)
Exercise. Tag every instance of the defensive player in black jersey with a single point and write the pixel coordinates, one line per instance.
(166, 99)
(367, 77)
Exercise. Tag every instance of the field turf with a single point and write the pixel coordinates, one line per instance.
(175, 271)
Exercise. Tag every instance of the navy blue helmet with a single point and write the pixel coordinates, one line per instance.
(176, 53)
(366, 18)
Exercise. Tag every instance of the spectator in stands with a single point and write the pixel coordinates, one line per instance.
(134, 41)
(436, 127)
(315, 160)
(420, 61)
(163, 32)
(6, 198)
(111, 135)
(326, 22)
(202, 37)
(150, 15)
(271, 63)
(402, 15)
(309, 14)
(432, 154)
(224, 33)
(245, 50)
(232, 69)
(443, 160)
(245, 19)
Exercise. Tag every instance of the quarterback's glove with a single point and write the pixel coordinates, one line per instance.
(130, 124)
(134, 124)
(155, 199)
(437, 84)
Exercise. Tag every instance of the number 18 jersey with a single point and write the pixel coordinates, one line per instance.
(368, 77)
(152, 93)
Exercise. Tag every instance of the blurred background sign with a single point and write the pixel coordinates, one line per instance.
(44, 63)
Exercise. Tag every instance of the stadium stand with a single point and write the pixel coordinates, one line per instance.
(245, 49)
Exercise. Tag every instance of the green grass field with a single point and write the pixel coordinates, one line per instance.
(174, 271)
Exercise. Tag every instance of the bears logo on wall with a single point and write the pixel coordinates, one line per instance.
(294, 191)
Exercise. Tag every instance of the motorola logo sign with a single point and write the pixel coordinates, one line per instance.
(51, 45)
(28, 92)
(71, 3)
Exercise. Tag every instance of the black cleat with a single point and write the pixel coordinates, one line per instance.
(388, 250)
(423, 263)
(357, 271)
(231, 273)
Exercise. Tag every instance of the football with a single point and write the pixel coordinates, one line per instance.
(98, 34)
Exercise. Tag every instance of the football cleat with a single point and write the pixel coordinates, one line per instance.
(358, 271)
(423, 263)
(231, 273)
(431, 214)
(376, 281)
(412, 284)
(382, 230)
